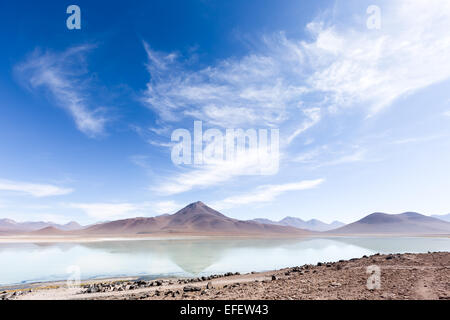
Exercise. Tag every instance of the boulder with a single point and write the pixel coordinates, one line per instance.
(191, 289)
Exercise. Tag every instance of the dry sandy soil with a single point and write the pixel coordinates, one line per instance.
(403, 276)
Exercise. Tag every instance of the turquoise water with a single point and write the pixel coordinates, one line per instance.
(35, 262)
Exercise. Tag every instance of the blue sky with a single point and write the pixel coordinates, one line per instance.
(86, 116)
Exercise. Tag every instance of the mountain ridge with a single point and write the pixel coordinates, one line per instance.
(195, 218)
(198, 218)
(403, 223)
(312, 224)
(8, 225)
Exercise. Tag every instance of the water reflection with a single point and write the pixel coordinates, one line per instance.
(29, 262)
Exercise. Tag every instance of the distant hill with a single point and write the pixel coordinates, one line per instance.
(49, 231)
(405, 223)
(312, 225)
(9, 226)
(444, 217)
(196, 218)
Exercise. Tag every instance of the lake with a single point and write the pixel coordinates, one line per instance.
(36, 262)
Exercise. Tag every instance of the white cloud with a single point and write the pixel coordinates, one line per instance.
(266, 193)
(357, 156)
(418, 139)
(361, 66)
(141, 161)
(326, 156)
(313, 118)
(253, 90)
(311, 155)
(295, 84)
(110, 211)
(219, 171)
(341, 66)
(164, 207)
(106, 211)
(33, 189)
(447, 113)
(161, 144)
(62, 75)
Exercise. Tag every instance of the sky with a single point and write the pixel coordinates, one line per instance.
(356, 92)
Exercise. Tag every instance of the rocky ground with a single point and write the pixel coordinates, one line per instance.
(402, 276)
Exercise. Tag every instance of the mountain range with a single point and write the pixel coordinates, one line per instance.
(404, 223)
(8, 225)
(196, 218)
(199, 219)
(313, 224)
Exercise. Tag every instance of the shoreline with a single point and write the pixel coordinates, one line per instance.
(403, 276)
(164, 237)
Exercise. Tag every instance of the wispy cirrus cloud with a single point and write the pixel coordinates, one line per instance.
(296, 83)
(123, 210)
(64, 76)
(418, 139)
(253, 90)
(33, 189)
(164, 207)
(342, 66)
(313, 115)
(356, 65)
(325, 156)
(105, 211)
(218, 171)
(267, 193)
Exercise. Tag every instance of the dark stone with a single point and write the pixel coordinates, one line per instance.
(191, 289)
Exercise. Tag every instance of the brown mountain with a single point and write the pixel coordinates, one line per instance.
(48, 231)
(196, 218)
(405, 223)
